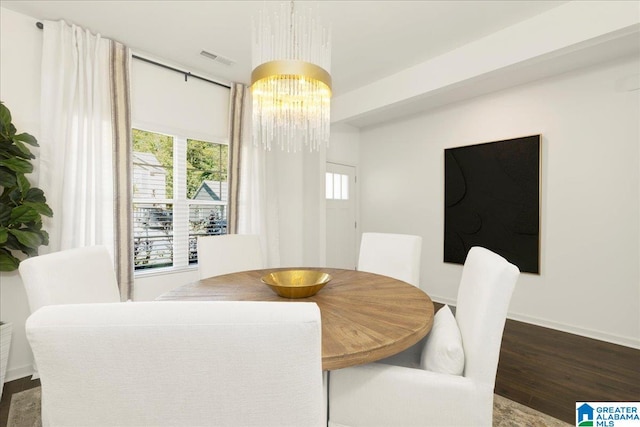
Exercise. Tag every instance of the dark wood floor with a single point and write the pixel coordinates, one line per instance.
(541, 368)
(550, 370)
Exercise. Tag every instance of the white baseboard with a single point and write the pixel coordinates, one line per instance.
(589, 333)
(19, 372)
(575, 330)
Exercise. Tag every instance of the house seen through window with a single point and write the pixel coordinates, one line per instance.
(180, 188)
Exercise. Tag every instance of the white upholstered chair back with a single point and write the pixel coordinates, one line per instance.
(410, 395)
(483, 300)
(393, 255)
(230, 253)
(74, 276)
(180, 363)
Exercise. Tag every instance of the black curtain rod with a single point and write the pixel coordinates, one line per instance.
(186, 74)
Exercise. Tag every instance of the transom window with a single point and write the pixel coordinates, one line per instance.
(337, 186)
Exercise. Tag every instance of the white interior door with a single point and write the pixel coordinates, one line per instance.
(341, 216)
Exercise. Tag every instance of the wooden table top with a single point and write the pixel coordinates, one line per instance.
(365, 317)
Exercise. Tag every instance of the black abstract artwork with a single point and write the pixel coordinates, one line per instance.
(492, 199)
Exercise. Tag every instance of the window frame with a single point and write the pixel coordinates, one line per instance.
(181, 235)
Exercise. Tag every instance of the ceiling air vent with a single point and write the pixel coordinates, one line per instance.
(218, 58)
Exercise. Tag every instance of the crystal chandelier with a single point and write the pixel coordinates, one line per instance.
(290, 81)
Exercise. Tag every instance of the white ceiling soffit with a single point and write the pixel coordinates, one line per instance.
(574, 35)
(525, 72)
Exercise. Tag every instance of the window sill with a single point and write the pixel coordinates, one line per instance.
(164, 271)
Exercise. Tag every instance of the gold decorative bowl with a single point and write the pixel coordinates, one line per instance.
(296, 283)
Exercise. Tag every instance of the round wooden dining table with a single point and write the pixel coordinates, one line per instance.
(365, 317)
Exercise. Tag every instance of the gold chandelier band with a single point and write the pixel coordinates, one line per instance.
(290, 67)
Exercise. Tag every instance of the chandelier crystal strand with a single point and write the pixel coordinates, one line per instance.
(291, 81)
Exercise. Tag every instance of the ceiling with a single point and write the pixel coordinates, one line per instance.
(371, 39)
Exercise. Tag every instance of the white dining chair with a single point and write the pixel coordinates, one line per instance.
(393, 255)
(74, 276)
(214, 363)
(230, 253)
(452, 382)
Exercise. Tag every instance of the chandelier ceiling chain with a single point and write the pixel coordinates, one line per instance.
(291, 81)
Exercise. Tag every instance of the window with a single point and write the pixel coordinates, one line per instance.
(179, 192)
(180, 144)
(337, 186)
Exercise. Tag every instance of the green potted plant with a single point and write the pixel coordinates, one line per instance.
(21, 210)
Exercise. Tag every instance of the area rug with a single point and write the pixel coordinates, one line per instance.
(25, 412)
(25, 409)
(507, 413)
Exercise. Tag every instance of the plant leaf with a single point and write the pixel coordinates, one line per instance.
(22, 150)
(5, 117)
(30, 239)
(23, 214)
(13, 243)
(7, 132)
(34, 225)
(7, 179)
(3, 235)
(5, 214)
(45, 237)
(15, 195)
(23, 184)
(41, 208)
(35, 195)
(9, 151)
(25, 137)
(17, 165)
(7, 261)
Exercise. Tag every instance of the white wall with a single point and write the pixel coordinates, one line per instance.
(589, 121)
(344, 147)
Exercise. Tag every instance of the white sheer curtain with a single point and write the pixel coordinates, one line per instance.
(257, 186)
(79, 139)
